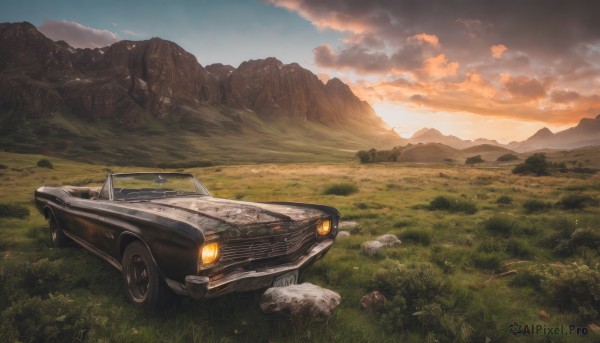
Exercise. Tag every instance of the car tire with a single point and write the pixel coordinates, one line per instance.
(57, 236)
(143, 283)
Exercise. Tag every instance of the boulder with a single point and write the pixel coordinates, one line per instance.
(343, 235)
(371, 248)
(299, 301)
(373, 302)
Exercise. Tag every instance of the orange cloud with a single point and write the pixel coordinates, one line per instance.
(438, 67)
(432, 40)
(497, 50)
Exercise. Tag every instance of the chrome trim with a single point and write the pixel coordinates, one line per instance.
(201, 287)
(113, 262)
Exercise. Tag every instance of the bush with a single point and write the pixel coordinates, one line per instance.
(489, 261)
(410, 287)
(417, 282)
(577, 201)
(452, 205)
(566, 243)
(504, 200)
(44, 163)
(417, 236)
(502, 225)
(340, 189)
(534, 205)
(56, 319)
(518, 248)
(474, 160)
(535, 164)
(507, 158)
(14, 210)
(573, 287)
(439, 203)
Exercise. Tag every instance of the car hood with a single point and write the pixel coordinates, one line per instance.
(236, 213)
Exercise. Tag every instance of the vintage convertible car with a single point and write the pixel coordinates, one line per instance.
(165, 232)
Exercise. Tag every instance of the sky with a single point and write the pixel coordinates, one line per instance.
(471, 68)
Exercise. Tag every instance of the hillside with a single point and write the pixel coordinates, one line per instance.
(146, 102)
(585, 133)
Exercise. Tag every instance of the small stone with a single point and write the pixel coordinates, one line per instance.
(373, 302)
(389, 240)
(343, 235)
(370, 248)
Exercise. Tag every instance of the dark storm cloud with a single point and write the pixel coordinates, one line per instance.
(542, 25)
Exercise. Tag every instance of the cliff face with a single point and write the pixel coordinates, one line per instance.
(125, 81)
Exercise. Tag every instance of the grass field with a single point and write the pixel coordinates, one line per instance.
(440, 282)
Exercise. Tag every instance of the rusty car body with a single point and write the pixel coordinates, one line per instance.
(166, 233)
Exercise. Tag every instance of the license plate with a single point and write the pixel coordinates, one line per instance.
(286, 279)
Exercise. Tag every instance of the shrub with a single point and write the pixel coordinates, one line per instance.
(518, 248)
(534, 205)
(507, 158)
(363, 156)
(439, 203)
(502, 225)
(417, 282)
(410, 287)
(452, 205)
(14, 210)
(44, 163)
(56, 319)
(567, 243)
(474, 160)
(504, 200)
(535, 164)
(573, 287)
(577, 201)
(340, 189)
(418, 236)
(489, 261)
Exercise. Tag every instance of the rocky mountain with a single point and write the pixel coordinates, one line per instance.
(427, 135)
(586, 133)
(158, 77)
(156, 86)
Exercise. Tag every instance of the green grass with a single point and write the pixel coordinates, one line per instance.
(71, 292)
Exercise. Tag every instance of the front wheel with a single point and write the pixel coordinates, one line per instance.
(58, 237)
(143, 284)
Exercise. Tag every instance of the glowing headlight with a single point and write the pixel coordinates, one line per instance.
(209, 253)
(324, 227)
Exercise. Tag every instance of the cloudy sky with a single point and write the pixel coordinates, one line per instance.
(472, 68)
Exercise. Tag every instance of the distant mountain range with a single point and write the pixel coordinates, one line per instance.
(61, 100)
(586, 133)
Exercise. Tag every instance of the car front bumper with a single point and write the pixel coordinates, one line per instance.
(201, 287)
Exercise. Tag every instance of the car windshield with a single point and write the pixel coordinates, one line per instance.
(155, 185)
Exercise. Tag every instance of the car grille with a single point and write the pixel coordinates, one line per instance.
(264, 247)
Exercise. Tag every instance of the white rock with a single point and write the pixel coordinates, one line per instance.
(371, 248)
(303, 300)
(343, 235)
(389, 240)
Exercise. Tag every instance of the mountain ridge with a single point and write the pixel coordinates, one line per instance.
(585, 133)
(151, 101)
